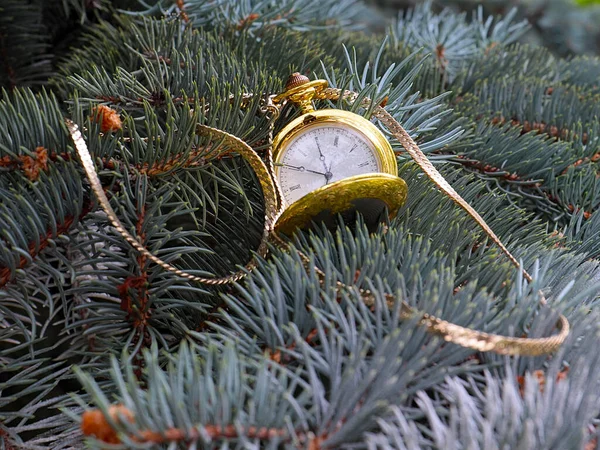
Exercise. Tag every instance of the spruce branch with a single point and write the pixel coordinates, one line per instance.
(470, 413)
(535, 102)
(24, 44)
(252, 15)
(42, 193)
(452, 41)
(234, 398)
(582, 71)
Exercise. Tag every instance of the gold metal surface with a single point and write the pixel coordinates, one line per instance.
(296, 79)
(302, 94)
(340, 196)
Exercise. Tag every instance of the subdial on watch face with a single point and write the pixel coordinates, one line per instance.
(322, 154)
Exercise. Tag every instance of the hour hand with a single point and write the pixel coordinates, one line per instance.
(299, 168)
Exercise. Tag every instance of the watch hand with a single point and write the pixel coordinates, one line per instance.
(328, 174)
(319, 148)
(321, 157)
(300, 169)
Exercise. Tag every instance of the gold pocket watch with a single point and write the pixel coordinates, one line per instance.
(330, 162)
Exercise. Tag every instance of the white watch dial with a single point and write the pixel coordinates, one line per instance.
(322, 154)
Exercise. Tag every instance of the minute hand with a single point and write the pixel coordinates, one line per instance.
(300, 168)
(321, 156)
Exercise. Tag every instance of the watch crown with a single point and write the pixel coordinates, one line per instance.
(296, 79)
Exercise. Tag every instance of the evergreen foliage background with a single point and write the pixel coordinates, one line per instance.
(566, 27)
(280, 360)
